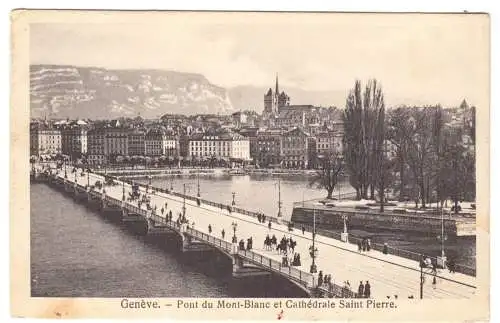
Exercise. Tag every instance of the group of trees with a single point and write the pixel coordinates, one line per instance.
(423, 154)
(435, 160)
(364, 139)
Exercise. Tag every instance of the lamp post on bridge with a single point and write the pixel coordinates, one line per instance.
(279, 200)
(313, 268)
(64, 165)
(422, 279)
(234, 225)
(184, 202)
(198, 193)
(123, 189)
(344, 236)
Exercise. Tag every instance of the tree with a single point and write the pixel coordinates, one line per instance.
(398, 126)
(327, 177)
(421, 148)
(362, 142)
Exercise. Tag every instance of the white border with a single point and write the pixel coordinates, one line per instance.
(289, 5)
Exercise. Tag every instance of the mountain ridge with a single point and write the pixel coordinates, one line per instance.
(68, 91)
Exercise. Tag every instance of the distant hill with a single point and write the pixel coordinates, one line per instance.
(86, 92)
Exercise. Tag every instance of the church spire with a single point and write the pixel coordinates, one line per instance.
(277, 87)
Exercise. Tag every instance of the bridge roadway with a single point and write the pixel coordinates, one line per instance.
(388, 275)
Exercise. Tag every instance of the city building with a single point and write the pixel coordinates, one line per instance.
(170, 145)
(221, 145)
(136, 143)
(295, 149)
(266, 148)
(329, 142)
(154, 142)
(95, 146)
(74, 139)
(184, 145)
(44, 140)
(116, 141)
(290, 119)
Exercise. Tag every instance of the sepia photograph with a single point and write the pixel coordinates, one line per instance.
(251, 161)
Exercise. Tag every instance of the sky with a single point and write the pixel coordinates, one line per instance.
(425, 59)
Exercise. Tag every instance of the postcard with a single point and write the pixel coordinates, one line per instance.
(250, 165)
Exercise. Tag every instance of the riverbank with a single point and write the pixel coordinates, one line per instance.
(166, 172)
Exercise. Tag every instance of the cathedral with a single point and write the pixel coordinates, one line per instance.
(274, 100)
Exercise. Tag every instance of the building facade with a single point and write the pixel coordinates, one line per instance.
(295, 148)
(95, 146)
(226, 145)
(116, 141)
(170, 146)
(74, 141)
(329, 142)
(266, 149)
(136, 143)
(44, 140)
(154, 142)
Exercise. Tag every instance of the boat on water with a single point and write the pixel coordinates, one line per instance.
(237, 171)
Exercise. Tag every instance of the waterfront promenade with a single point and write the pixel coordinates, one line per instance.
(388, 275)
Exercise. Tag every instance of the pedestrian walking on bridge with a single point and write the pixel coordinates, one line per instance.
(223, 234)
(361, 290)
(269, 225)
(367, 290)
(209, 229)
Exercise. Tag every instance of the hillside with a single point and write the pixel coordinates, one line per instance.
(86, 92)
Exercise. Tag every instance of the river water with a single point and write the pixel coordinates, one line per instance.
(76, 252)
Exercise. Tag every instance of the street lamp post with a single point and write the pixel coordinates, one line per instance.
(123, 189)
(422, 279)
(344, 236)
(234, 225)
(88, 178)
(441, 261)
(198, 194)
(184, 202)
(65, 172)
(313, 268)
(279, 198)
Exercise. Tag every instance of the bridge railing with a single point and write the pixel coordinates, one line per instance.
(291, 272)
(337, 291)
(210, 239)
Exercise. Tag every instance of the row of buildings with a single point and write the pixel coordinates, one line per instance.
(293, 148)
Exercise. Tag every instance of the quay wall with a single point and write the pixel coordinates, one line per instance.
(333, 218)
